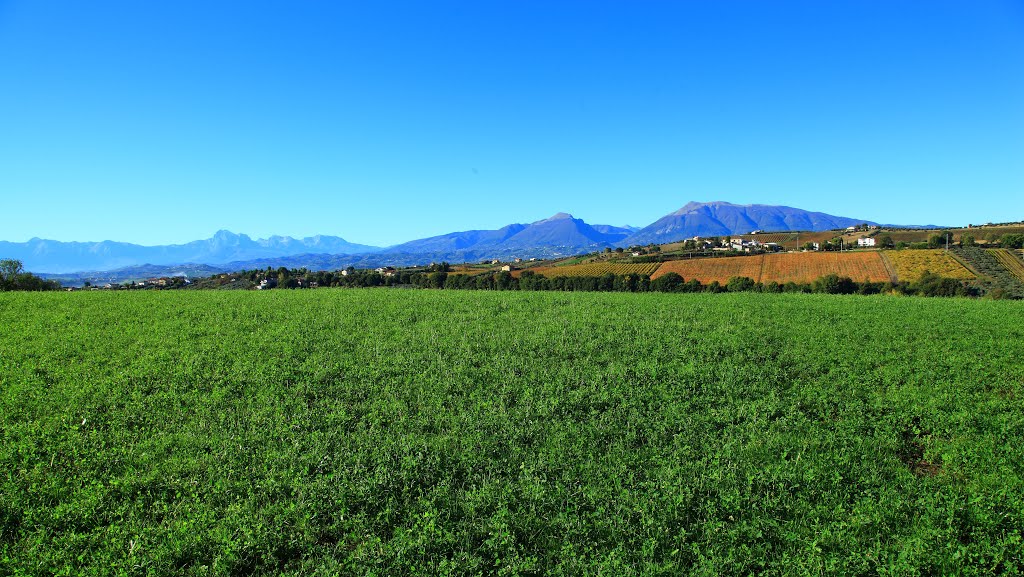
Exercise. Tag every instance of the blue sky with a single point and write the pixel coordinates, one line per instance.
(386, 121)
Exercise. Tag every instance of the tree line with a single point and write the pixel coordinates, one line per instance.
(14, 278)
(929, 284)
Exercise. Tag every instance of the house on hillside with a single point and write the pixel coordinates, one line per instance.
(866, 241)
(741, 245)
(508, 268)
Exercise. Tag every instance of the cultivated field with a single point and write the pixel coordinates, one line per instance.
(389, 432)
(1010, 262)
(597, 269)
(804, 267)
(911, 264)
(708, 270)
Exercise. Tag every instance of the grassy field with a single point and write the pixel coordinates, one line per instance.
(389, 432)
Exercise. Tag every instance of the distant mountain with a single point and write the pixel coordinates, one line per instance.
(723, 218)
(135, 273)
(459, 240)
(559, 231)
(50, 256)
(560, 235)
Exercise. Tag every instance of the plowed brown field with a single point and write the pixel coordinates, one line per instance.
(782, 267)
(597, 269)
(719, 269)
(805, 267)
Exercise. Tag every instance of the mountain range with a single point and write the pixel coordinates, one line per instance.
(561, 234)
(51, 256)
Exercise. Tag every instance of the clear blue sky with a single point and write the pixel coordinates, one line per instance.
(386, 121)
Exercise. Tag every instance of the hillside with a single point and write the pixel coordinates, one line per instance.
(723, 219)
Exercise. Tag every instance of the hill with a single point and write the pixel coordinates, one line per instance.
(723, 218)
(561, 230)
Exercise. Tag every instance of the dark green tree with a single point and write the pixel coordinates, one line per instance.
(667, 283)
(740, 284)
(10, 270)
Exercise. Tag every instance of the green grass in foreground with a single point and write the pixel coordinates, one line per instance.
(387, 432)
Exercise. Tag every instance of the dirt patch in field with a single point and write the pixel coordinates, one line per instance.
(912, 451)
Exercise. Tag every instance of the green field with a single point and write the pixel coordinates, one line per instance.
(390, 432)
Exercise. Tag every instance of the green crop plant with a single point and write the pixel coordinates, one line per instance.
(385, 432)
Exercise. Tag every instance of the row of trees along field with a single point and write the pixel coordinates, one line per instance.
(440, 278)
(14, 278)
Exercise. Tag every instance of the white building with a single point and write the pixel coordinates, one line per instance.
(866, 241)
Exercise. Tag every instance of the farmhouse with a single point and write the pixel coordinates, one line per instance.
(865, 241)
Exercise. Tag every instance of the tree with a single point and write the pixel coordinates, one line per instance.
(740, 284)
(667, 283)
(437, 279)
(1012, 241)
(887, 242)
(10, 270)
(504, 281)
(967, 240)
(834, 284)
(939, 240)
(14, 277)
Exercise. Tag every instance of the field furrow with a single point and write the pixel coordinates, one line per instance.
(597, 269)
(805, 267)
(1010, 261)
(708, 270)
